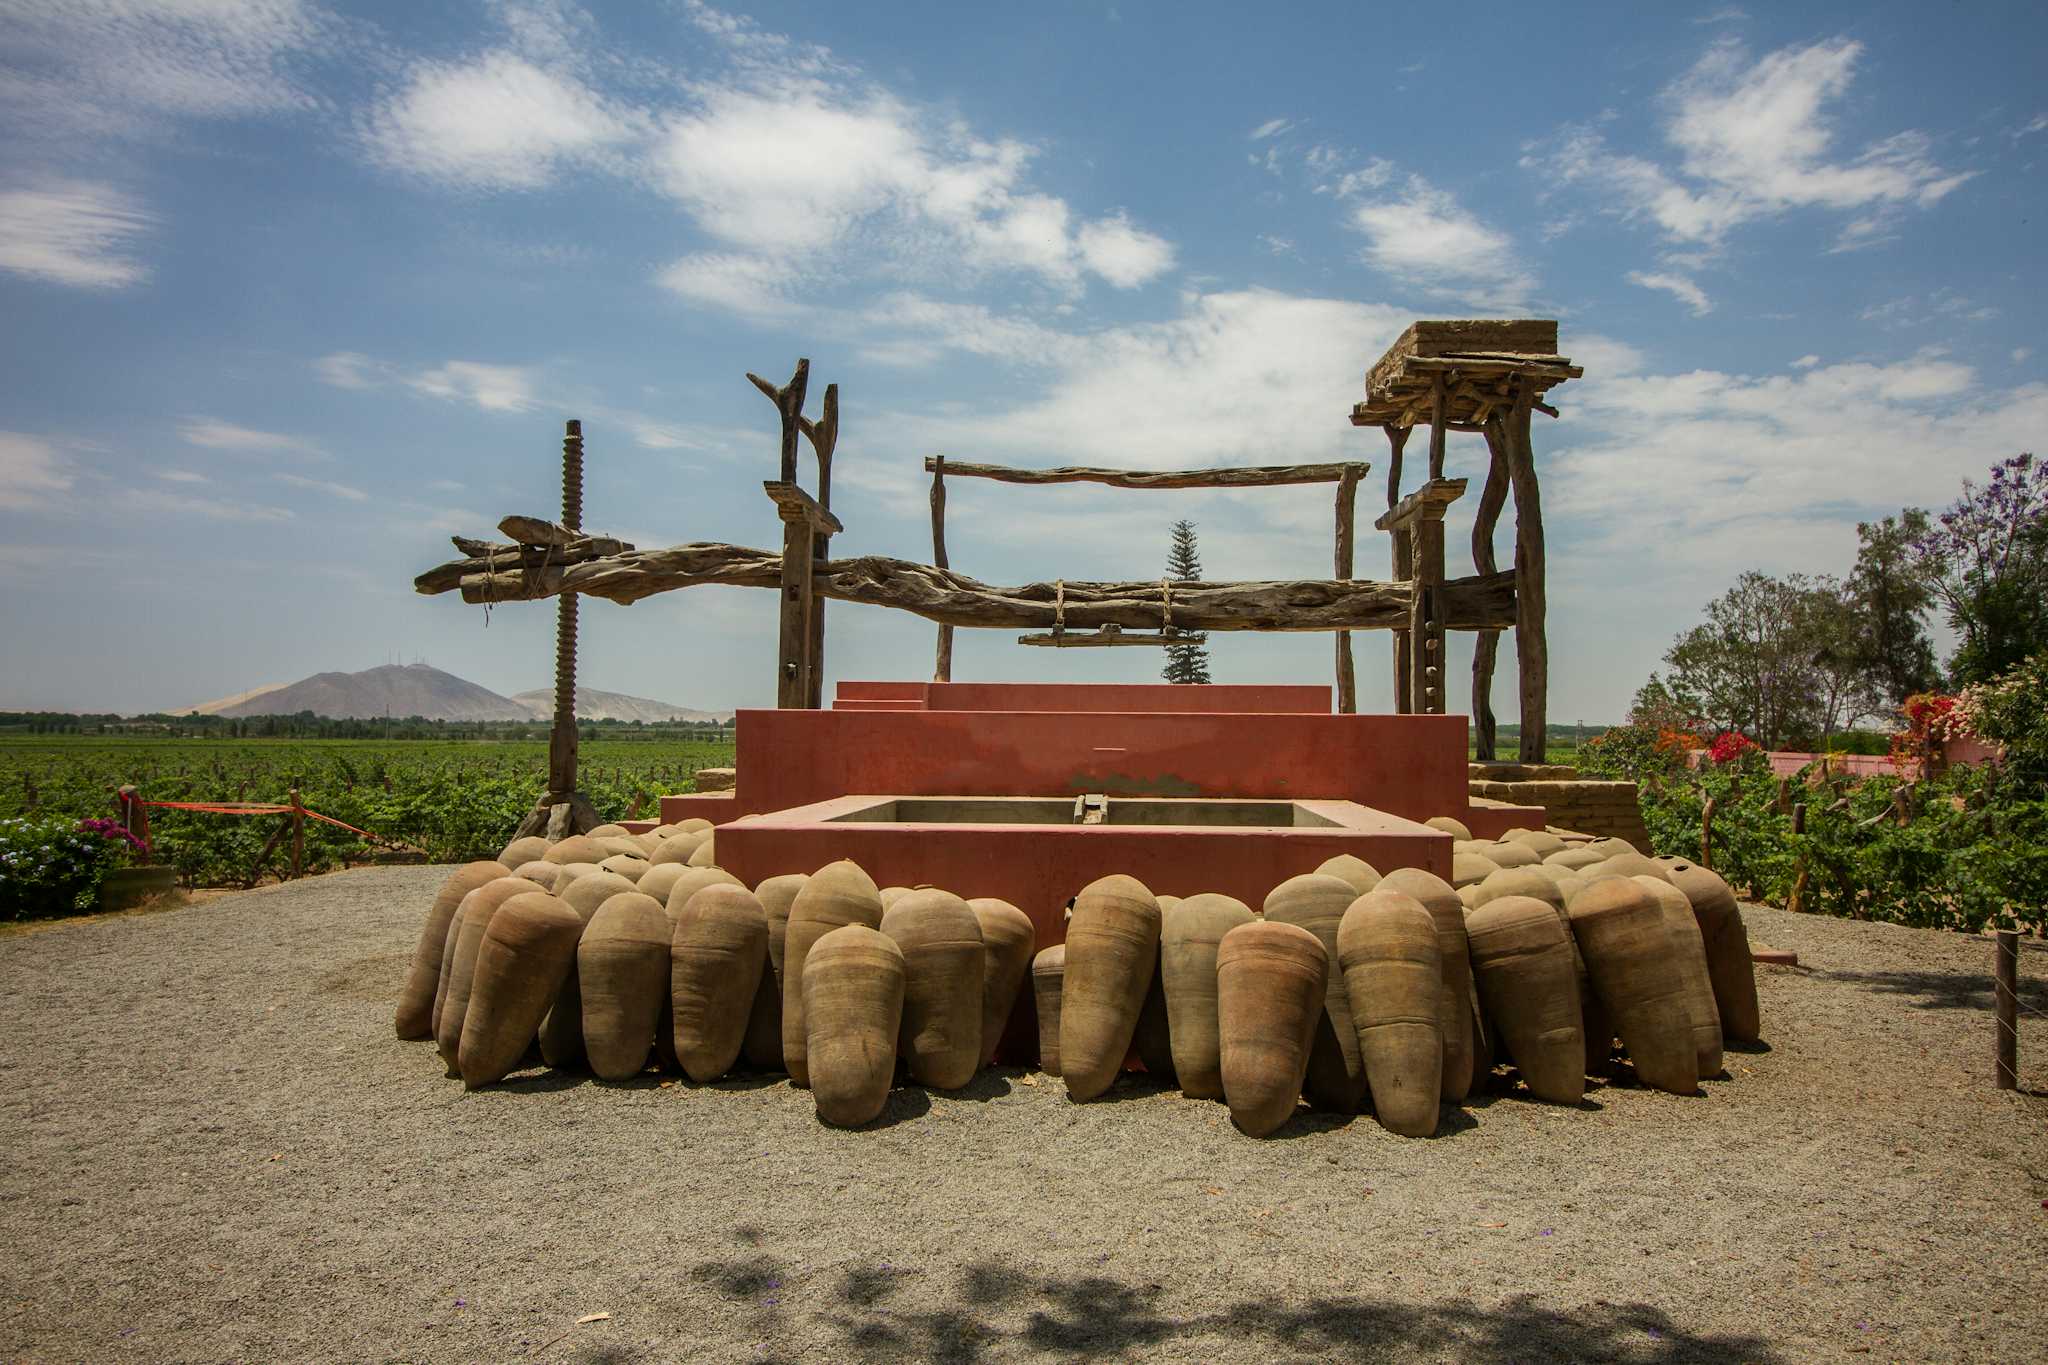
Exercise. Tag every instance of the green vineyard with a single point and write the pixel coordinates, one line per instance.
(451, 800)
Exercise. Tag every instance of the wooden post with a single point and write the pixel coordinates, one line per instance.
(824, 436)
(2006, 976)
(1486, 646)
(134, 815)
(1347, 507)
(804, 522)
(1532, 650)
(1426, 617)
(793, 643)
(1437, 431)
(1796, 902)
(298, 835)
(1404, 572)
(1397, 438)
(942, 668)
(793, 640)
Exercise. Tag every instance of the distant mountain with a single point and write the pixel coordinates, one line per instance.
(420, 690)
(592, 704)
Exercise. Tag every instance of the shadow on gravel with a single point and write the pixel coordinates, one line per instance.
(1942, 990)
(997, 1309)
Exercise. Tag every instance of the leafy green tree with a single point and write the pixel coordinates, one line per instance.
(1987, 557)
(1891, 593)
(1185, 663)
(1751, 665)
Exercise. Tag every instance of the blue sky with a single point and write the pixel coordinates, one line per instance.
(295, 290)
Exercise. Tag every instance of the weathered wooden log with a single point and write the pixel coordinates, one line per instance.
(716, 957)
(943, 968)
(622, 977)
(834, 897)
(1048, 981)
(1394, 978)
(1689, 955)
(415, 1015)
(1627, 949)
(1336, 1074)
(1188, 943)
(1112, 949)
(527, 950)
(950, 598)
(851, 982)
(1729, 966)
(763, 1048)
(1272, 979)
(1242, 476)
(1528, 978)
(1007, 937)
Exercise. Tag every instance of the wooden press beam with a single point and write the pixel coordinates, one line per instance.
(1248, 476)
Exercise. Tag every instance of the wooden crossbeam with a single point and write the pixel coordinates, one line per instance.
(1243, 476)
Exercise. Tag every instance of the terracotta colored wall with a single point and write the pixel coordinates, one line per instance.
(1289, 698)
(1411, 766)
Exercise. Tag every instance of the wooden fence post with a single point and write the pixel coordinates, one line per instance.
(298, 835)
(1796, 901)
(2006, 975)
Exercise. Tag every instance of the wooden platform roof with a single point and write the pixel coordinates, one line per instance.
(1477, 361)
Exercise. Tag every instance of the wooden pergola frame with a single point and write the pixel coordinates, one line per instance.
(1346, 476)
(1485, 377)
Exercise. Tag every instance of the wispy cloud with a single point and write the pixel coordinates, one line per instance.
(72, 232)
(332, 490)
(1272, 127)
(32, 473)
(494, 388)
(214, 434)
(349, 370)
(1424, 237)
(1754, 139)
(1678, 286)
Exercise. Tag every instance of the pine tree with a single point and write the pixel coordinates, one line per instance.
(1188, 663)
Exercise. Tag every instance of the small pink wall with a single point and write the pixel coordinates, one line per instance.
(1411, 766)
(1288, 698)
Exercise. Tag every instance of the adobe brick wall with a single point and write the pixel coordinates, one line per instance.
(1609, 810)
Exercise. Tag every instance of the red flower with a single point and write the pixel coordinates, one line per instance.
(1730, 745)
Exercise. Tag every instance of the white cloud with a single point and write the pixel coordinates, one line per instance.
(94, 68)
(215, 434)
(349, 370)
(156, 503)
(1426, 238)
(2021, 353)
(31, 471)
(499, 122)
(1806, 362)
(179, 476)
(1754, 138)
(1678, 286)
(332, 490)
(751, 286)
(494, 388)
(1124, 255)
(1272, 127)
(72, 232)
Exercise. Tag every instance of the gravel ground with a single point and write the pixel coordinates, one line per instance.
(217, 1151)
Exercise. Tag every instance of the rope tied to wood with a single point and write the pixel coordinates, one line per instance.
(1059, 606)
(1166, 606)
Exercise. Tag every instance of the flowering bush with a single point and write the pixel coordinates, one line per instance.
(54, 867)
(1730, 745)
(2011, 711)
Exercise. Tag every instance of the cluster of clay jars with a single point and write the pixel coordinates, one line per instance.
(1352, 990)
(611, 960)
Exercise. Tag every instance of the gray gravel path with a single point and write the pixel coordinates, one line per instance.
(216, 1151)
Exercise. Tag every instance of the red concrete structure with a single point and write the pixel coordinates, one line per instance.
(1218, 788)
